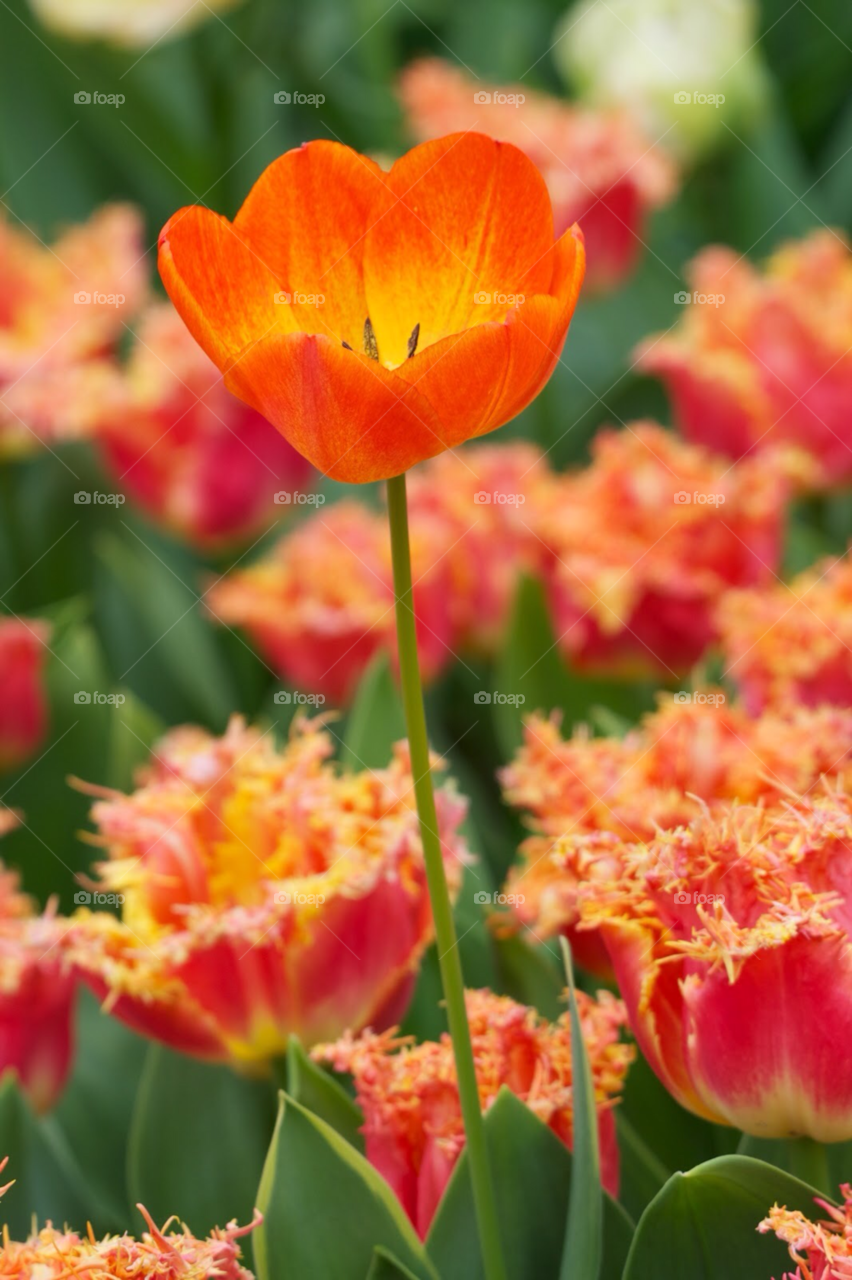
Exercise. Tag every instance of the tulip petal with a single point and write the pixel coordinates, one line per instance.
(223, 291)
(769, 1052)
(351, 418)
(498, 366)
(458, 218)
(306, 217)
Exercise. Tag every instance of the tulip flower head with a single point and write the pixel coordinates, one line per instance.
(731, 946)
(601, 170)
(160, 1254)
(647, 538)
(192, 455)
(62, 308)
(377, 318)
(321, 604)
(409, 1095)
(36, 990)
(762, 356)
(659, 776)
(821, 1250)
(23, 698)
(263, 893)
(790, 642)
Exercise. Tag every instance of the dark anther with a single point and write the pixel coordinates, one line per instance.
(347, 346)
(370, 345)
(412, 341)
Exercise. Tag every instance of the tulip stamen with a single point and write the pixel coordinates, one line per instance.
(346, 345)
(371, 347)
(412, 341)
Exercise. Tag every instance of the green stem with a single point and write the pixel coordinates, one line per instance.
(809, 1163)
(442, 912)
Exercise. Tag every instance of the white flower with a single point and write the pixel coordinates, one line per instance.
(686, 69)
(132, 23)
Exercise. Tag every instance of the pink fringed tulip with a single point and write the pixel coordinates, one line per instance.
(730, 941)
(762, 357)
(188, 452)
(264, 893)
(409, 1096)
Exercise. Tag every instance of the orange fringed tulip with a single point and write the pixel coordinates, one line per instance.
(377, 318)
(821, 1250)
(763, 356)
(408, 1092)
(263, 893)
(60, 309)
(661, 775)
(730, 941)
(790, 642)
(36, 990)
(601, 169)
(160, 1254)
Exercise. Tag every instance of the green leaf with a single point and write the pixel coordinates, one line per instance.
(320, 1093)
(533, 1185)
(530, 975)
(581, 1259)
(172, 627)
(642, 1173)
(531, 670)
(96, 1107)
(386, 1267)
(134, 728)
(703, 1224)
(310, 1173)
(48, 1182)
(198, 1140)
(376, 720)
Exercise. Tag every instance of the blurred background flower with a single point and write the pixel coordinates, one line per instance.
(409, 1096)
(600, 169)
(663, 60)
(23, 695)
(134, 23)
(263, 893)
(195, 459)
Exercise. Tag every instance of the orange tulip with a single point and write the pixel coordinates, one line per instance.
(377, 318)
